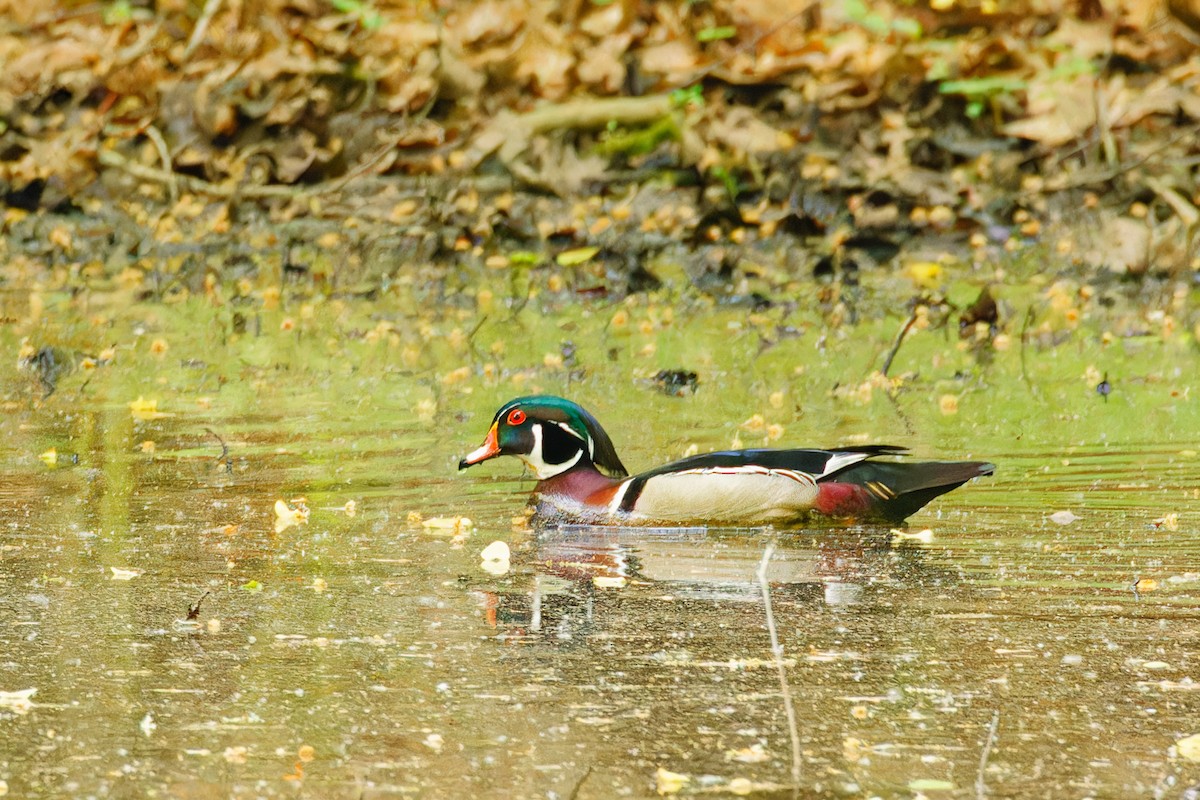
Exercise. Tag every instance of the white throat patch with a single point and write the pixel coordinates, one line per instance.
(539, 466)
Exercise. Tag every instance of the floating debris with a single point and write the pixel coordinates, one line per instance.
(287, 517)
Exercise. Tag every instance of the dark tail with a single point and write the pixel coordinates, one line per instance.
(899, 489)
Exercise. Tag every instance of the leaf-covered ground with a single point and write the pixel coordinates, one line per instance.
(476, 131)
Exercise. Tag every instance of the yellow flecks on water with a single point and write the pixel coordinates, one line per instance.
(754, 754)
(236, 754)
(19, 701)
(498, 261)
(755, 424)
(863, 393)
(159, 347)
(351, 508)
(270, 298)
(434, 742)
(776, 400)
(456, 376)
(924, 537)
(552, 361)
(1145, 585)
(287, 324)
(925, 274)
(1092, 376)
(774, 432)
(860, 712)
(1189, 747)
(147, 447)
(1168, 522)
(667, 782)
(413, 519)
(213, 625)
(306, 753)
(426, 409)
(287, 517)
(145, 410)
(495, 558)
(948, 404)
(609, 582)
(447, 526)
(620, 320)
(122, 574)
(319, 585)
(49, 457)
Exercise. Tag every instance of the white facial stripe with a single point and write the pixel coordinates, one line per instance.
(539, 465)
(615, 505)
(569, 430)
(591, 445)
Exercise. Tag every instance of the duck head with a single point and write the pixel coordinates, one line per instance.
(551, 435)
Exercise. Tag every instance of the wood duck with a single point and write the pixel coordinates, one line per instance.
(581, 479)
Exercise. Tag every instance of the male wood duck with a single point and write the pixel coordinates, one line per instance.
(581, 479)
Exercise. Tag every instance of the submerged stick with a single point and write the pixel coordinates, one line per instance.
(980, 786)
(777, 652)
(912, 318)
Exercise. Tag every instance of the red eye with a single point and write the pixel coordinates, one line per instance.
(516, 416)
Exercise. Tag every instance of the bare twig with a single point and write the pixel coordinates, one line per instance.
(980, 785)
(210, 10)
(160, 144)
(194, 610)
(110, 158)
(912, 318)
(224, 451)
(777, 652)
(1029, 315)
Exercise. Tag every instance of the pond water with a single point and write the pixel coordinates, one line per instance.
(1033, 634)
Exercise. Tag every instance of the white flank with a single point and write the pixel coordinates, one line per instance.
(750, 495)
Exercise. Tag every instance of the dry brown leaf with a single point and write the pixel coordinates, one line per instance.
(675, 61)
(741, 130)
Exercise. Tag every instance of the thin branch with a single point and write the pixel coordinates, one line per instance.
(1029, 315)
(777, 652)
(980, 785)
(210, 10)
(160, 144)
(912, 318)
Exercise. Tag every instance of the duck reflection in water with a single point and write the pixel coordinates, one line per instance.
(577, 570)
